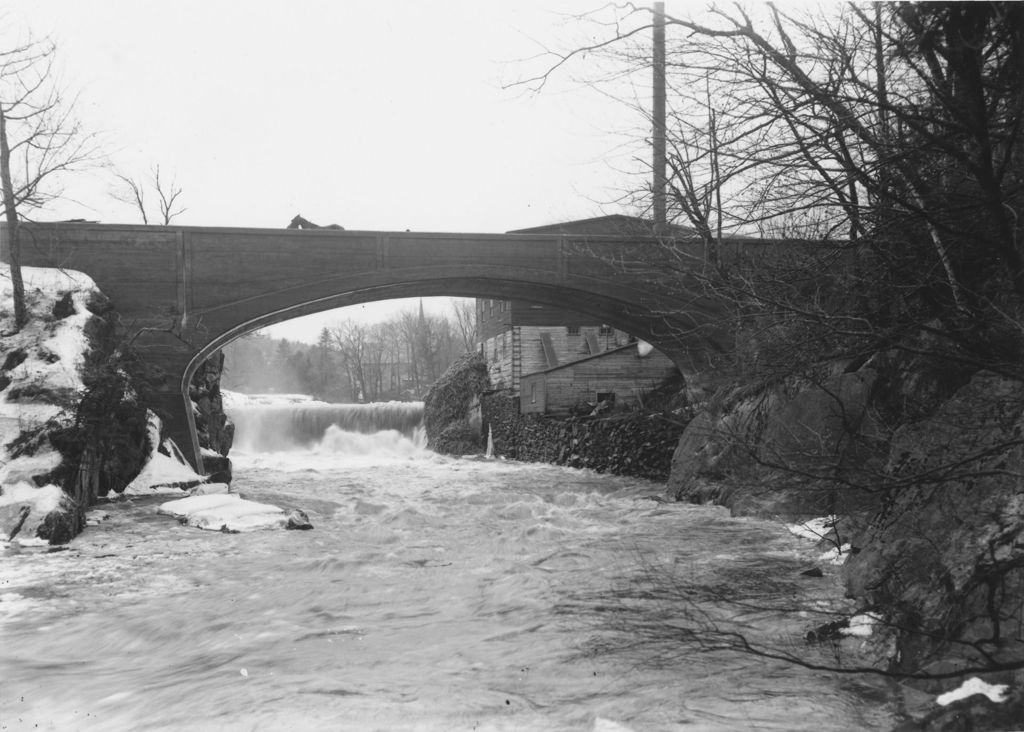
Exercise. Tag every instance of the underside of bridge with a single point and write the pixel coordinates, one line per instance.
(183, 292)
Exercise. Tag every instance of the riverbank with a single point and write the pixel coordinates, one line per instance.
(910, 464)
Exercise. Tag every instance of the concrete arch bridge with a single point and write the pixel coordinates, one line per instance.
(182, 292)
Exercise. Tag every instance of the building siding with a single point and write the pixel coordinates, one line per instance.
(621, 372)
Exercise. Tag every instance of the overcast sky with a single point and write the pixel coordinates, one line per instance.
(372, 115)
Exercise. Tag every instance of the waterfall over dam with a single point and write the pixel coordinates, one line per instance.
(277, 423)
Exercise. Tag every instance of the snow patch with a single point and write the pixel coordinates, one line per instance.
(815, 529)
(43, 500)
(21, 470)
(974, 685)
(861, 626)
(836, 555)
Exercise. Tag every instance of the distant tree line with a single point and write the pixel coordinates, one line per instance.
(397, 359)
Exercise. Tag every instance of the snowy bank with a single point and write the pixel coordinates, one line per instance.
(40, 386)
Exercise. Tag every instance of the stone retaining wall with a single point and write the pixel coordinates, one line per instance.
(634, 444)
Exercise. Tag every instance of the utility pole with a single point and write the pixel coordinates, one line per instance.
(659, 183)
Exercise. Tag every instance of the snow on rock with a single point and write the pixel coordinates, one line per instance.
(225, 512)
(47, 354)
(205, 489)
(40, 383)
(22, 468)
(836, 555)
(974, 685)
(162, 474)
(24, 509)
(817, 529)
(861, 626)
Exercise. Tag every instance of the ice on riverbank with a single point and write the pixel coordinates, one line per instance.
(225, 512)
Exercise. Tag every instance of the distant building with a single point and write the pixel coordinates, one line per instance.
(623, 375)
(553, 358)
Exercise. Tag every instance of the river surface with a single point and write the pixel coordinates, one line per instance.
(434, 593)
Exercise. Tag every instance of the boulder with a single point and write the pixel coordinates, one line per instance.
(45, 515)
(298, 520)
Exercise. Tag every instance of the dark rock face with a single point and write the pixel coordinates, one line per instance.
(946, 550)
(778, 449)
(449, 405)
(216, 431)
(64, 307)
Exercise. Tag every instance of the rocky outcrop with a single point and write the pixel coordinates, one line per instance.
(636, 444)
(780, 449)
(945, 554)
(94, 444)
(98, 440)
(921, 462)
(449, 406)
(215, 431)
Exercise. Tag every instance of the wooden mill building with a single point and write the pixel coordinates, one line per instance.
(554, 359)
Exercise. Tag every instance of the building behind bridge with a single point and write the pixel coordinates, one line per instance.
(555, 359)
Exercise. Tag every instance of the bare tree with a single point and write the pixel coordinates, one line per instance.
(894, 132)
(350, 341)
(167, 193)
(464, 312)
(39, 140)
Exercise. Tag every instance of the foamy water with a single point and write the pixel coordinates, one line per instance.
(434, 594)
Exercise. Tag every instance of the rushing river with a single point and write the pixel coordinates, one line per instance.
(434, 593)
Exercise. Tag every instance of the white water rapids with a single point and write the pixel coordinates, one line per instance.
(434, 593)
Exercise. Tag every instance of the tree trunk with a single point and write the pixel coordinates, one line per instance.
(11, 215)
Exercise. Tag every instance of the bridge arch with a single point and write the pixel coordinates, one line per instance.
(184, 292)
